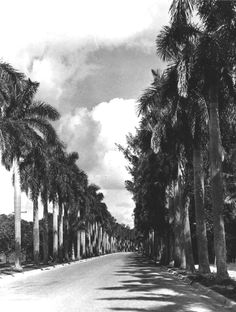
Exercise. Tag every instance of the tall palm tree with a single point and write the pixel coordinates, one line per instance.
(50, 150)
(71, 194)
(55, 158)
(160, 105)
(28, 122)
(10, 77)
(178, 43)
(63, 190)
(77, 210)
(33, 173)
(57, 171)
(215, 61)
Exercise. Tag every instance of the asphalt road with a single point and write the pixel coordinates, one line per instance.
(118, 282)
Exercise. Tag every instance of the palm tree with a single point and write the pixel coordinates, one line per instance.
(50, 150)
(177, 43)
(21, 127)
(34, 165)
(30, 169)
(214, 63)
(63, 190)
(28, 122)
(57, 174)
(77, 210)
(10, 77)
(160, 105)
(55, 231)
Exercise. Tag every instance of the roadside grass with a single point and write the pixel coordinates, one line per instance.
(226, 287)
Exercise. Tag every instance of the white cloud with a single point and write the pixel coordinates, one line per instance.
(120, 205)
(28, 25)
(117, 118)
(32, 21)
(50, 41)
(94, 133)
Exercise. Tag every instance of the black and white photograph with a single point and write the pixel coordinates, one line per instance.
(118, 155)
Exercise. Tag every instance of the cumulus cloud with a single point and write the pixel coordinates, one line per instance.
(120, 205)
(90, 57)
(78, 20)
(80, 132)
(80, 50)
(94, 134)
(37, 30)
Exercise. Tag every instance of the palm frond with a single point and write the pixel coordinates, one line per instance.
(27, 93)
(9, 74)
(42, 110)
(166, 44)
(181, 11)
(44, 128)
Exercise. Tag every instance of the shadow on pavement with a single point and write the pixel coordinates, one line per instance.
(145, 287)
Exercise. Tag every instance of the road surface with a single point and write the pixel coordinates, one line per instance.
(118, 282)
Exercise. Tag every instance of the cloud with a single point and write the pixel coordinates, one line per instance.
(80, 132)
(115, 200)
(73, 28)
(92, 59)
(83, 56)
(94, 134)
(78, 20)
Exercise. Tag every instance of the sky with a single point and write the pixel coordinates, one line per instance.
(93, 59)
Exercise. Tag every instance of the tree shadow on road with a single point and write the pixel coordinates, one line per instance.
(146, 287)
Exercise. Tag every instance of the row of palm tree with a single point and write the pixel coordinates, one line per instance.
(188, 118)
(45, 171)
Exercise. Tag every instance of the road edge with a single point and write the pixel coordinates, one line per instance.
(215, 295)
(35, 271)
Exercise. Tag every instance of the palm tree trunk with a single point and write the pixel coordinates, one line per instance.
(66, 234)
(177, 227)
(199, 210)
(88, 247)
(36, 230)
(155, 243)
(83, 243)
(96, 239)
(45, 231)
(109, 243)
(93, 239)
(180, 256)
(17, 211)
(60, 232)
(215, 151)
(90, 230)
(104, 242)
(73, 250)
(78, 244)
(171, 208)
(55, 232)
(187, 238)
(100, 240)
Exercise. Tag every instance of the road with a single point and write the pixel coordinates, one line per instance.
(118, 282)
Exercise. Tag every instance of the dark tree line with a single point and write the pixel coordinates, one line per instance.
(182, 158)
